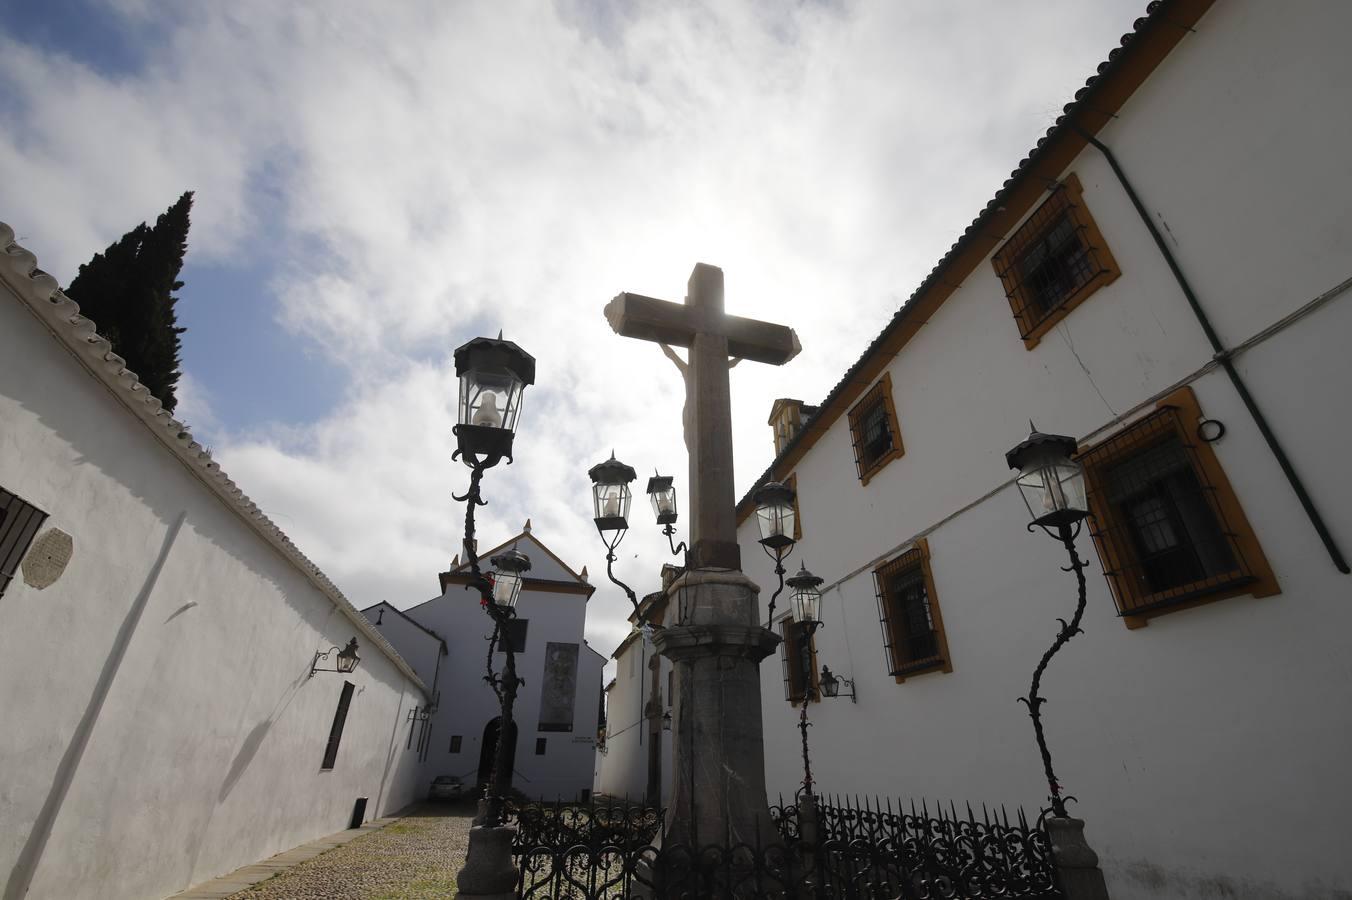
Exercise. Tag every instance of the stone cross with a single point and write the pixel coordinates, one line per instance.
(712, 337)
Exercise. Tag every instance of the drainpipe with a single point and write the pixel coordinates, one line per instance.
(1224, 358)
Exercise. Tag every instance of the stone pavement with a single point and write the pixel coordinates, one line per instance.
(413, 856)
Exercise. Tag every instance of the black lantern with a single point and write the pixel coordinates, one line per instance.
(662, 493)
(493, 375)
(507, 570)
(611, 497)
(807, 599)
(831, 684)
(347, 657)
(344, 662)
(1050, 481)
(775, 515)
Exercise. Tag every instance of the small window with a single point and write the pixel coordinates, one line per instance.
(1053, 262)
(455, 743)
(874, 430)
(540, 744)
(798, 653)
(913, 630)
(19, 522)
(336, 731)
(513, 636)
(1168, 528)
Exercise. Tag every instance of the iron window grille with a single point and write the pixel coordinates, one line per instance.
(1167, 527)
(874, 432)
(19, 523)
(1053, 262)
(913, 634)
(798, 656)
(336, 730)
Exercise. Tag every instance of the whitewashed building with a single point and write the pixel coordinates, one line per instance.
(635, 760)
(164, 722)
(557, 709)
(1203, 720)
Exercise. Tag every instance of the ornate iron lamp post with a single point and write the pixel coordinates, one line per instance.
(807, 605)
(493, 375)
(777, 520)
(610, 499)
(1051, 483)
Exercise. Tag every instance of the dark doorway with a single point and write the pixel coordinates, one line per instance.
(490, 746)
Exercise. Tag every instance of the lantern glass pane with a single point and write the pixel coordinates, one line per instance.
(807, 603)
(1053, 487)
(776, 521)
(490, 398)
(506, 588)
(611, 501)
(664, 503)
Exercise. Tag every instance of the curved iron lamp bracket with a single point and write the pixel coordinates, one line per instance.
(778, 556)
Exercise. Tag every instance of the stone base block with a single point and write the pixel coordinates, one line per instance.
(488, 873)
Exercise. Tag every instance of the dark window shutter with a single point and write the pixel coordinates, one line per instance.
(339, 720)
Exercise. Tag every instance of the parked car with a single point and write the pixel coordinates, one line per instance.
(447, 787)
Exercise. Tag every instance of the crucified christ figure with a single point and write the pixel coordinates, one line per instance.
(684, 368)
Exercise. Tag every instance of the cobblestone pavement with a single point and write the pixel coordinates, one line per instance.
(416, 857)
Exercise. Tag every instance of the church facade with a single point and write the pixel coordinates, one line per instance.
(184, 692)
(1202, 718)
(557, 710)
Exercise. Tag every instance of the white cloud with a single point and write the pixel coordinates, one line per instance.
(439, 170)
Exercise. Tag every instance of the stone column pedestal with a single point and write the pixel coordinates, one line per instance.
(1076, 864)
(718, 752)
(488, 873)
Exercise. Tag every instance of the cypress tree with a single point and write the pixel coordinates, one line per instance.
(128, 290)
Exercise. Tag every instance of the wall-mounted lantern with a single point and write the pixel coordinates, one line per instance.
(345, 661)
(831, 685)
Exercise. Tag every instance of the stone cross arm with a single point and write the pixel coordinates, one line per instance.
(662, 321)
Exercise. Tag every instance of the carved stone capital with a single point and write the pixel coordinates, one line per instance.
(749, 642)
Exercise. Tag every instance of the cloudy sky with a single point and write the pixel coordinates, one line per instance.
(379, 182)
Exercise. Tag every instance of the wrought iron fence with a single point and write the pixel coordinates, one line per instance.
(863, 851)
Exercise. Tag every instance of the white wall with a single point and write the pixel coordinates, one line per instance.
(468, 703)
(1207, 749)
(161, 727)
(421, 649)
(624, 765)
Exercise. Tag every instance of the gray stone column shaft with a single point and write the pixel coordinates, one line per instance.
(718, 782)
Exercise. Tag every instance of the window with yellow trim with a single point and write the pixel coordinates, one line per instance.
(798, 654)
(1166, 523)
(913, 628)
(1053, 262)
(874, 430)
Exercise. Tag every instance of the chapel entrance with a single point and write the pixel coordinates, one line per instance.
(489, 746)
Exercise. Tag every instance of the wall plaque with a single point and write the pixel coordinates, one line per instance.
(560, 685)
(47, 558)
